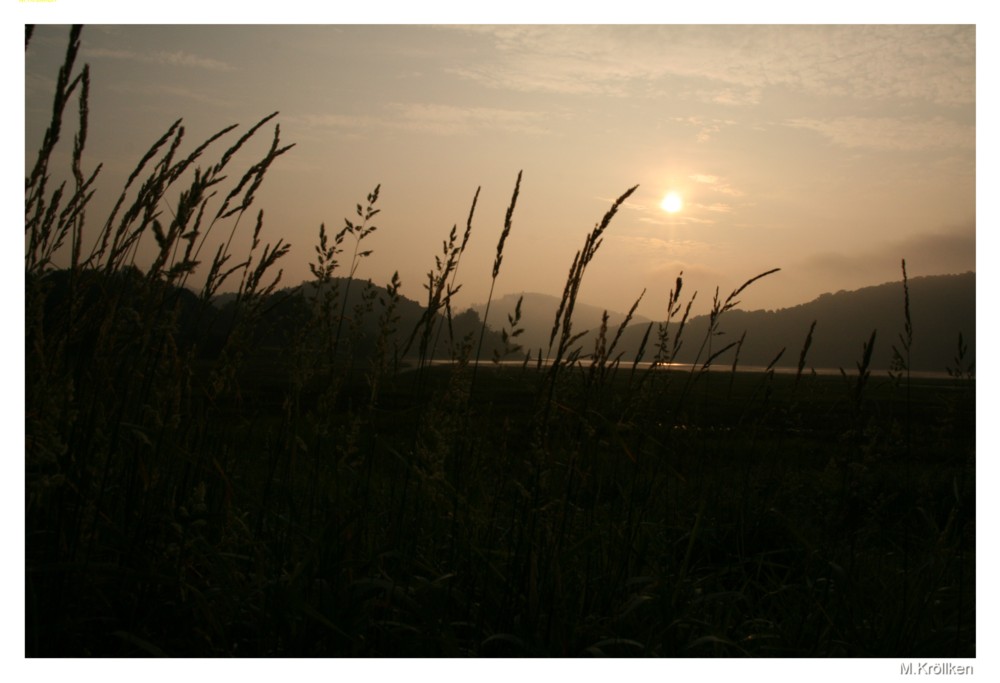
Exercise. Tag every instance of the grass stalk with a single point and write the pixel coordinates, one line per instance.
(496, 270)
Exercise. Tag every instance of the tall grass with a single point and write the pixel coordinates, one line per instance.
(194, 489)
(112, 448)
(496, 271)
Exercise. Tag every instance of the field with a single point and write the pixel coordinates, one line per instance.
(337, 498)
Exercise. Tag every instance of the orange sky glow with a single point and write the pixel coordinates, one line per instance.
(830, 152)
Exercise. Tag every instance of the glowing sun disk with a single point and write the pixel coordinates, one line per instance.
(672, 202)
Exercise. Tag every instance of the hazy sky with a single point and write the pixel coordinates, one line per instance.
(828, 151)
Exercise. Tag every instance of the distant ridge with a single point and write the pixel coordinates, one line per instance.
(538, 313)
(941, 308)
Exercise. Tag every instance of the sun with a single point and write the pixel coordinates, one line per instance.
(672, 202)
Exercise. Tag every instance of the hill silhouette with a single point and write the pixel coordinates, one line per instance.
(362, 302)
(538, 313)
(941, 308)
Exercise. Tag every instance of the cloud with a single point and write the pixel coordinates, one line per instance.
(726, 94)
(656, 248)
(560, 76)
(733, 65)
(934, 64)
(445, 119)
(937, 253)
(716, 184)
(952, 251)
(887, 133)
(704, 178)
(177, 58)
(718, 207)
(174, 92)
(437, 119)
(556, 59)
(949, 251)
(345, 122)
(662, 219)
(190, 60)
(707, 128)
